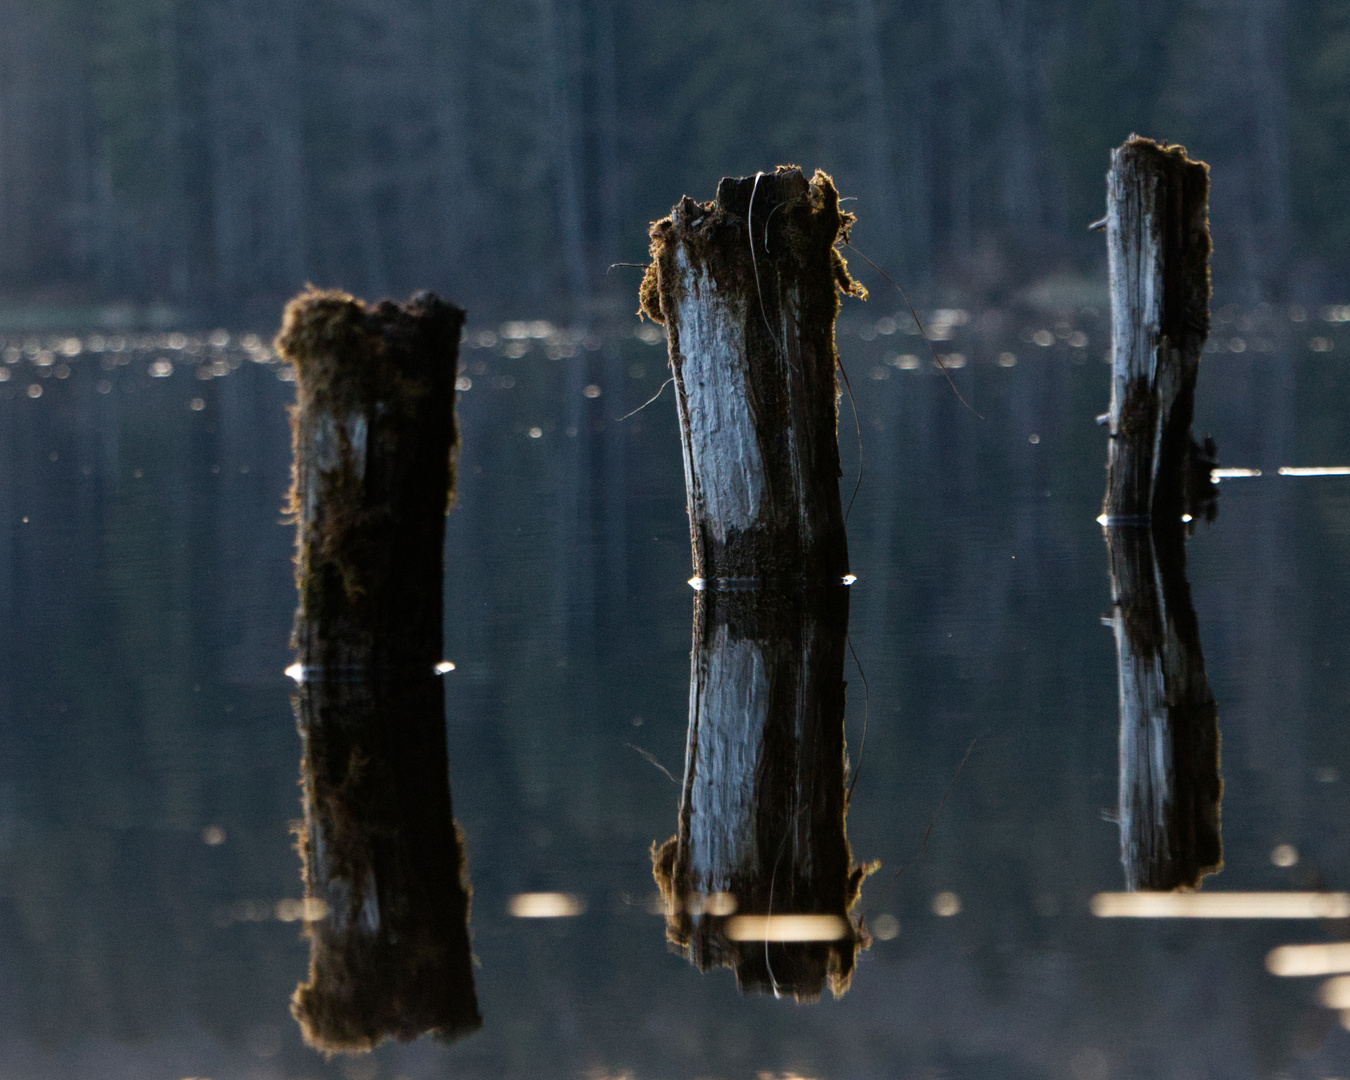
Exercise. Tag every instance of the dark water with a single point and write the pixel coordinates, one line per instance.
(149, 758)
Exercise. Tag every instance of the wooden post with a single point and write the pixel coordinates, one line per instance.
(1170, 787)
(1157, 232)
(748, 289)
(761, 820)
(374, 434)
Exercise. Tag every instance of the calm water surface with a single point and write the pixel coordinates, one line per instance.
(150, 758)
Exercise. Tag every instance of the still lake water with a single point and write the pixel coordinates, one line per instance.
(149, 758)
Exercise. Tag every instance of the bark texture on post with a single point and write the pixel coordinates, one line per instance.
(374, 434)
(761, 821)
(1170, 785)
(748, 289)
(1157, 231)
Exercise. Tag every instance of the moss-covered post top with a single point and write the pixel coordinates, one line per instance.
(799, 223)
(349, 355)
(748, 288)
(374, 440)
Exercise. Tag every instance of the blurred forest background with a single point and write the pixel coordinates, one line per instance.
(212, 155)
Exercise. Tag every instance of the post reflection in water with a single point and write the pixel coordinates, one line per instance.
(1170, 787)
(391, 958)
(759, 876)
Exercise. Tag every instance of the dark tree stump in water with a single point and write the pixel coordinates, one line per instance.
(761, 821)
(1157, 231)
(1170, 787)
(374, 434)
(748, 288)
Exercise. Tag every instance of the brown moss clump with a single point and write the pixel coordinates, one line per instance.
(796, 224)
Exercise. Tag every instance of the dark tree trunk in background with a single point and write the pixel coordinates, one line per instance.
(374, 430)
(1170, 787)
(1157, 234)
(761, 826)
(879, 160)
(748, 287)
(556, 28)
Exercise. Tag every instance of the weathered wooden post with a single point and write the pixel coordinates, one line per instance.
(759, 876)
(748, 289)
(1170, 787)
(1157, 232)
(374, 437)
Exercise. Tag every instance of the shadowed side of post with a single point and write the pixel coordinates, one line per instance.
(761, 838)
(748, 288)
(1170, 785)
(1157, 228)
(383, 862)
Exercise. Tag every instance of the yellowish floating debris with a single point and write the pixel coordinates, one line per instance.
(546, 905)
(1297, 960)
(1221, 905)
(787, 928)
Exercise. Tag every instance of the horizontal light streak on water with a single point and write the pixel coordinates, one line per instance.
(1297, 960)
(787, 928)
(546, 905)
(1335, 993)
(1231, 905)
(1316, 470)
(1229, 474)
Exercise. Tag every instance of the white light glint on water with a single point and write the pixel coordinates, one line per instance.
(546, 905)
(946, 904)
(1316, 470)
(787, 928)
(1219, 905)
(1228, 474)
(1285, 855)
